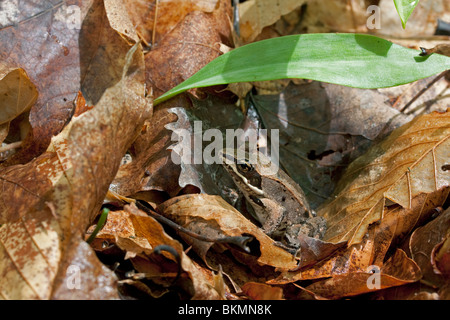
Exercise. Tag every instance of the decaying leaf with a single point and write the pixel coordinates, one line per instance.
(397, 271)
(372, 251)
(42, 243)
(138, 235)
(427, 249)
(429, 134)
(61, 57)
(189, 46)
(157, 18)
(213, 217)
(120, 21)
(254, 15)
(17, 91)
(410, 162)
(261, 291)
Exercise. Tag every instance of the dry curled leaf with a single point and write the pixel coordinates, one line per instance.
(17, 91)
(183, 51)
(213, 217)
(61, 57)
(42, 242)
(138, 234)
(425, 244)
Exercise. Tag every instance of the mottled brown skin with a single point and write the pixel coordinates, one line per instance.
(279, 204)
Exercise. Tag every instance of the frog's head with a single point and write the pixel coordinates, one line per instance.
(245, 173)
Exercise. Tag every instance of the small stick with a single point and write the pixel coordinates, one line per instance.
(239, 241)
(154, 24)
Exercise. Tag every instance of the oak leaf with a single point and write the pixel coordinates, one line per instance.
(410, 162)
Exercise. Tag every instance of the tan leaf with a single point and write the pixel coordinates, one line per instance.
(68, 59)
(17, 91)
(138, 234)
(120, 21)
(411, 161)
(380, 238)
(143, 14)
(213, 217)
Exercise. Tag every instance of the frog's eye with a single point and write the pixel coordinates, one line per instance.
(244, 167)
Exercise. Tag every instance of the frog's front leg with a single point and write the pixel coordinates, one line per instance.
(274, 216)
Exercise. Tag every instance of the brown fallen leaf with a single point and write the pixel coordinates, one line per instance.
(410, 162)
(381, 237)
(262, 291)
(138, 234)
(187, 48)
(254, 15)
(61, 58)
(42, 244)
(120, 21)
(424, 245)
(398, 220)
(81, 105)
(157, 18)
(441, 257)
(211, 216)
(398, 270)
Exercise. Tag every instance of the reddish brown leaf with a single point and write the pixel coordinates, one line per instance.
(261, 291)
(427, 250)
(397, 271)
(75, 174)
(61, 58)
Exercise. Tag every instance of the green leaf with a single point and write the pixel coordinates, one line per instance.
(405, 8)
(354, 60)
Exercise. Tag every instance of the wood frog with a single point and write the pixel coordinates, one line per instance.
(278, 203)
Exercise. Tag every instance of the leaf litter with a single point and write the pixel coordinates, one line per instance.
(380, 186)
